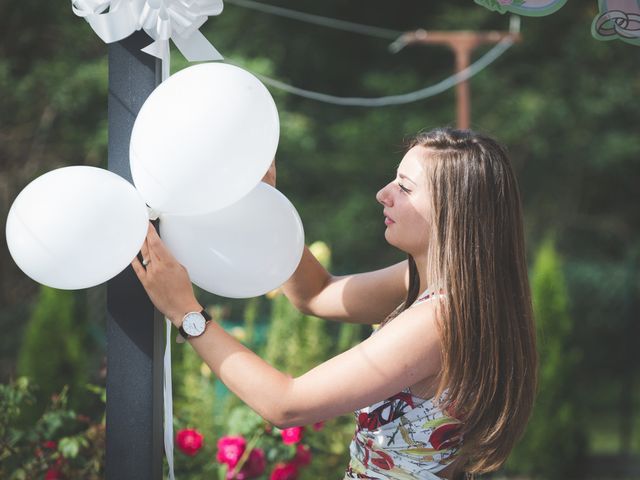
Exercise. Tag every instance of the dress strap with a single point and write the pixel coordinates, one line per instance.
(427, 295)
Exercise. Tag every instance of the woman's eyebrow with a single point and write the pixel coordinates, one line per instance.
(404, 177)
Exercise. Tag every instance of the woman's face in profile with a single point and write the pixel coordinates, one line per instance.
(406, 202)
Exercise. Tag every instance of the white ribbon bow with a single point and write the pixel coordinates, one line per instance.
(178, 20)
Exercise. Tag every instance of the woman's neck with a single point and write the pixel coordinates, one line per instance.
(421, 265)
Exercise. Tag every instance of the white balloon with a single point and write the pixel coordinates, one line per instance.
(203, 139)
(76, 227)
(244, 250)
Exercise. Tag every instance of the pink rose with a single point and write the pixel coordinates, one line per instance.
(53, 474)
(256, 463)
(284, 471)
(318, 426)
(303, 455)
(253, 467)
(189, 440)
(291, 436)
(230, 449)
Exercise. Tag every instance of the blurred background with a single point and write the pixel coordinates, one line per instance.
(564, 104)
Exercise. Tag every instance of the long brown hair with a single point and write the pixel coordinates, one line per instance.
(476, 254)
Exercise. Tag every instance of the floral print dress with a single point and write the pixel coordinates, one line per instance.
(403, 437)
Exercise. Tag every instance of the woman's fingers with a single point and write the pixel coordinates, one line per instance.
(139, 270)
(153, 243)
(144, 251)
(157, 249)
(153, 250)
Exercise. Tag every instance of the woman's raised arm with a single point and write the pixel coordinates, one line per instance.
(359, 298)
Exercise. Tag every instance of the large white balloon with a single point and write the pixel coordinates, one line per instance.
(76, 227)
(244, 250)
(203, 139)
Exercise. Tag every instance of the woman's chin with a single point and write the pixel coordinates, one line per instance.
(389, 237)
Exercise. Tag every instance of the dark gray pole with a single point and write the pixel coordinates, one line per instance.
(135, 334)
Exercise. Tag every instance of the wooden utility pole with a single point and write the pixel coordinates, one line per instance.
(463, 43)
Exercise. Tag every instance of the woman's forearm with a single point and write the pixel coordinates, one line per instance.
(253, 380)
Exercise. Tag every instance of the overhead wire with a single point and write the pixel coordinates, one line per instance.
(430, 91)
(344, 25)
(389, 100)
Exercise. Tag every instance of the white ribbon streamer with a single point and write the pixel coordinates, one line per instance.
(163, 20)
(168, 403)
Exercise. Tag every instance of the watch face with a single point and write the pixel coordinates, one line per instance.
(193, 324)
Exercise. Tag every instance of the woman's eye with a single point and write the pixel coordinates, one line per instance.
(403, 188)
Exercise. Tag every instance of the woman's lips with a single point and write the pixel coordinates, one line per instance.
(388, 221)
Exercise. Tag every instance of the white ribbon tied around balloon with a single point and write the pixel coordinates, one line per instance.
(162, 20)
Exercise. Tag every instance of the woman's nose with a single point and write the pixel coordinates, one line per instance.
(383, 196)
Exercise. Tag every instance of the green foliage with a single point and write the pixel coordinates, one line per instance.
(350, 335)
(295, 342)
(608, 331)
(59, 441)
(283, 348)
(554, 445)
(54, 351)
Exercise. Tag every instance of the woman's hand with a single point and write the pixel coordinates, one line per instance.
(270, 177)
(166, 281)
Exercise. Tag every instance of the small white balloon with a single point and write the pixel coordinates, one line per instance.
(244, 250)
(203, 139)
(76, 227)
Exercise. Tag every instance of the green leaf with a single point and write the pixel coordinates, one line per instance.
(70, 446)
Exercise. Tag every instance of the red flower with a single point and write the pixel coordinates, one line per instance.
(189, 440)
(284, 471)
(445, 436)
(291, 436)
(318, 426)
(50, 444)
(303, 456)
(230, 449)
(253, 467)
(53, 474)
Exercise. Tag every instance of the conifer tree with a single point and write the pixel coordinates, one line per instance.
(54, 351)
(553, 445)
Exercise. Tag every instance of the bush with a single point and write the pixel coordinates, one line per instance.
(554, 444)
(59, 444)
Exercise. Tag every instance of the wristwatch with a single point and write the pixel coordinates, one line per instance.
(193, 325)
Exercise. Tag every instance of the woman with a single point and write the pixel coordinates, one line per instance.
(450, 375)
